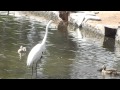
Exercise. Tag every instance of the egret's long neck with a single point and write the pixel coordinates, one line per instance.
(45, 37)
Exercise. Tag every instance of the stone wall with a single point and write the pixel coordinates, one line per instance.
(78, 20)
(49, 15)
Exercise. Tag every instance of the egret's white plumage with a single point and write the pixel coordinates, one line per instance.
(34, 54)
(37, 51)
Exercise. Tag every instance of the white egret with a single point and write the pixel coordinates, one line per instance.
(36, 52)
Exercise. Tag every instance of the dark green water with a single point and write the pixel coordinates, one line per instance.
(65, 57)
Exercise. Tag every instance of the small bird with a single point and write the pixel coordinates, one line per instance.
(108, 71)
(21, 51)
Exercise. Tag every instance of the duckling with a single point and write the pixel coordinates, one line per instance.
(24, 49)
(21, 49)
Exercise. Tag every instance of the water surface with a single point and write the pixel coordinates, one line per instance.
(65, 57)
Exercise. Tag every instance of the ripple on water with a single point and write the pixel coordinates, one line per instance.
(90, 57)
(64, 58)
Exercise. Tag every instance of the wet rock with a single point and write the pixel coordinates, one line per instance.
(79, 18)
(118, 34)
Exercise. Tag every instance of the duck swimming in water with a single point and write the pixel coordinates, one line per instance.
(105, 71)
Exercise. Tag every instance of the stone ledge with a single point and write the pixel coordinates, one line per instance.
(84, 18)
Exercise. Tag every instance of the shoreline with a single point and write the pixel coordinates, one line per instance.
(109, 19)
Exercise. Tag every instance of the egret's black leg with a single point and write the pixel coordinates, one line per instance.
(36, 65)
(8, 13)
(32, 72)
(41, 58)
(36, 69)
(32, 68)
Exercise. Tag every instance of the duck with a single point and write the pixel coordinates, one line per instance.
(108, 71)
(21, 50)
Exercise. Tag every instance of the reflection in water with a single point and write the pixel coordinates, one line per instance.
(109, 43)
(117, 49)
(79, 34)
(63, 29)
(90, 56)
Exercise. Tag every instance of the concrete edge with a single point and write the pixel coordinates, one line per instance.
(77, 20)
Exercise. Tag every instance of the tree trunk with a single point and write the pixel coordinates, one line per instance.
(64, 16)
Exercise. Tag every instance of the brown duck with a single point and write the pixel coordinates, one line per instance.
(108, 71)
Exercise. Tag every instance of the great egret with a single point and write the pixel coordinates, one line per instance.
(36, 52)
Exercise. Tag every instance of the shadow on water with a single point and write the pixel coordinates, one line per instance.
(109, 43)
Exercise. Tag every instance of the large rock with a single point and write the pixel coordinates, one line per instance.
(100, 28)
(118, 34)
(82, 17)
(89, 17)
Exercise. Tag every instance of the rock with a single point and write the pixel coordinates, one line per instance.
(101, 28)
(88, 17)
(118, 34)
(79, 18)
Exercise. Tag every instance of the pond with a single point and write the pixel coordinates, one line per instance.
(65, 58)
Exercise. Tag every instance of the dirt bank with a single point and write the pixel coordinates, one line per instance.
(111, 18)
